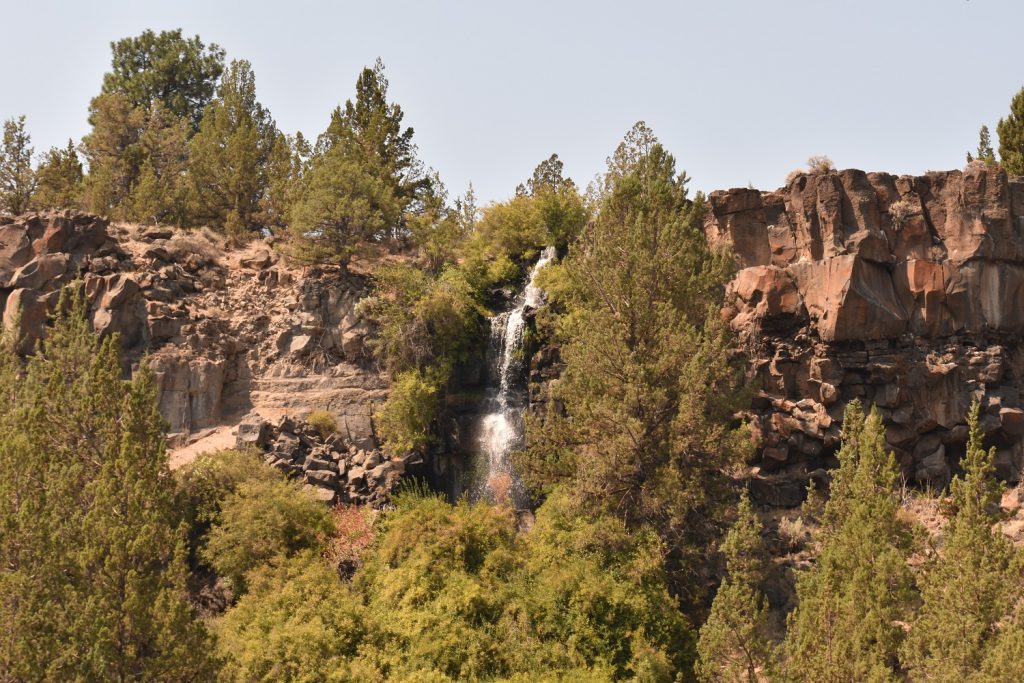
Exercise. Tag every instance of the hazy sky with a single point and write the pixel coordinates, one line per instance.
(739, 90)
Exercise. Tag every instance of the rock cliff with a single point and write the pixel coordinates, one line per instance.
(904, 292)
(229, 332)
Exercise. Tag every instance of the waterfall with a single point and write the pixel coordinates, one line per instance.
(500, 430)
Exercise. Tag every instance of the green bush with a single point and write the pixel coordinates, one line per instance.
(205, 483)
(298, 622)
(405, 419)
(263, 521)
(323, 421)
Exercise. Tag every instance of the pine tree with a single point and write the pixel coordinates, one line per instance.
(91, 558)
(844, 627)
(967, 591)
(59, 179)
(131, 145)
(1011, 136)
(180, 73)
(227, 167)
(733, 643)
(365, 181)
(985, 152)
(648, 383)
(17, 179)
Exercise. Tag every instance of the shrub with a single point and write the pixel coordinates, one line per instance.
(264, 522)
(297, 623)
(205, 483)
(323, 421)
(406, 417)
(820, 164)
(900, 211)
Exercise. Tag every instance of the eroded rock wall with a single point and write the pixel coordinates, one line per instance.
(227, 331)
(904, 292)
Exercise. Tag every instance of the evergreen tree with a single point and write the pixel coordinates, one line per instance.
(17, 180)
(733, 643)
(180, 73)
(158, 195)
(1011, 136)
(648, 384)
(91, 559)
(230, 153)
(136, 160)
(844, 627)
(365, 182)
(59, 177)
(985, 152)
(970, 588)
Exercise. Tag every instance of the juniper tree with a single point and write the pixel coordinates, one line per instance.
(229, 154)
(648, 384)
(972, 585)
(92, 562)
(365, 180)
(1011, 136)
(984, 152)
(136, 159)
(181, 73)
(17, 179)
(845, 626)
(59, 179)
(733, 643)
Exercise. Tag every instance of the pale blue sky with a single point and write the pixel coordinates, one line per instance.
(739, 90)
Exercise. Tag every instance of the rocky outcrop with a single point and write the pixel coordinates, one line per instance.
(226, 330)
(333, 467)
(41, 253)
(903, 292)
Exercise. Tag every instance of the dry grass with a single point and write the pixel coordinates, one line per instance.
(820, 164)
(900, 211)
(794, 533)
(202, 246)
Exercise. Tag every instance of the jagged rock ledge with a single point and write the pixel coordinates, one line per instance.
(333, 469)
(904, 292)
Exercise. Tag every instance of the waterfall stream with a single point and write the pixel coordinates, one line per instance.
(500, 430)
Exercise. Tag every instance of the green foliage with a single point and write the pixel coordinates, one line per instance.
(845, 626)
(136, 158)
(453, 590)
(985, 152)
(406, 418)
(648, 386)
(323, 421)
(511, 233)
(972, 585)
(733, 643)
(423, 321)
(364, 182)
(1011, 136)
(92, 560)
(264, 521)
(298, 622)
(230, 155)
(180, 73)
(59, 179)
(17, 179)
(206, 482)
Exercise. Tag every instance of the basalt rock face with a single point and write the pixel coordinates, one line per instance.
(903, 292)
(226, 330)
(333, 468)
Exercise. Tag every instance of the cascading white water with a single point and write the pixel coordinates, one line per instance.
(501, 430)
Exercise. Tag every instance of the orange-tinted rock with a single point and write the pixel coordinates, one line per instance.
(904, 292)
